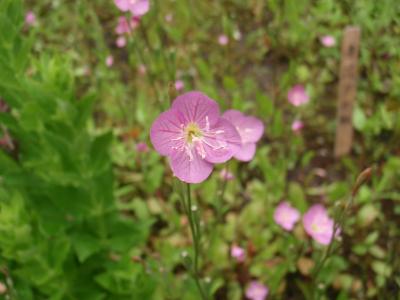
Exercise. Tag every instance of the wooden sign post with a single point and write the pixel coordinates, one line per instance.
(347, 90)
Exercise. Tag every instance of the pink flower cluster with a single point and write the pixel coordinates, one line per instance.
(137, 8)
(195, 136)
(316, 221)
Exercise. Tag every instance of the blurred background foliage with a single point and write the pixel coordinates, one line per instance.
(84, 215)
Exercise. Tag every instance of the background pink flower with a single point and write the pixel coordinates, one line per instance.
(286, 216)
(3, 288)
(122, 26)
(223, 40)
(142, 147)
(250, 130)
(30, 18)
(238, 253)
(136, 7)
(297, 126)
(109, 61)
(142, 69)
(318, 224)
(256, 291)
(297, 95)
(226, 175)
(179, 85)
(120, 42)
(194, 137)
(328, 41)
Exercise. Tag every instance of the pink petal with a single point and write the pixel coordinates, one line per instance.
(250, 128)
(123, 5)
(297, 95)
(222, 146)
(166, 131)
(246, 152)
(286, 216)
(190, 170)
(197, 108)
(140, 8)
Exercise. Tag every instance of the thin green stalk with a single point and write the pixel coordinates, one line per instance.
(338, 223)
(195, 230)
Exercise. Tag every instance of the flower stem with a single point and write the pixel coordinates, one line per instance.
(196, 237)
(338, 223)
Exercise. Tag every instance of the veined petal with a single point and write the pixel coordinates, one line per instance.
(222, 142)
(166, 133)
(246, 152)
(250, 128)
(190, 168)
(197, 108)
(252, 131)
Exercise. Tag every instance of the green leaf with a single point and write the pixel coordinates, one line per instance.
(85, 245)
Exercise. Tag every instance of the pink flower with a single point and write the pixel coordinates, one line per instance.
(142, 69)
(30, 18)
(256, 291)
(328, 41)
(318, 224)
(250, 130)
(226, 175)
(136, 7)
(194, 137)
(122, 26)
(169, 18)
(121, 42)
(109, 61)
(134, 23)
(238, 253)
(223, 40)
(179, 85)
(286, 216)
(142, 147)
(297, 126)
(298, 95)
(3, 288)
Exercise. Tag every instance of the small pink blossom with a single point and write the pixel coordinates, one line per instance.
(286, 216)
(223, 40)
(30, 18)
(256, 291)
(238, 253)
(194, 137)
(297, 126)
(134, 22)
(122, 26)
(136, 7)
(226, 175)
(179, 85)
(298, 95)
(250, 130)
(142, 147)
(328, 41)
(318, 224)
(109, 61)
(3, 288)
(142, 69)
(120, 42)
(169, 18)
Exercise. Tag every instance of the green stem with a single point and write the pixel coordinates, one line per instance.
(195, 230)
(338, 223)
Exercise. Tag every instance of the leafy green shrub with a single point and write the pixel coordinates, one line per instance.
(61, 235)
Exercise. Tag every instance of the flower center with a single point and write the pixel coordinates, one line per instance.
(192, 131)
